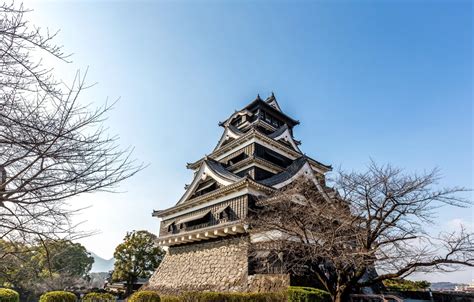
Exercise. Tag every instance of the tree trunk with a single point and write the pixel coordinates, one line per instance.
(341, 296)
(129, 288)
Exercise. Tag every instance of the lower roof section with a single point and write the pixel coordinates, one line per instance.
(242, 187)
(221, 230)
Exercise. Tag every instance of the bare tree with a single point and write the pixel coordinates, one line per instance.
(376, 220)
(52, 145)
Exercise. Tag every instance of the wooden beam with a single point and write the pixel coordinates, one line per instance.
(219, 233)
(236, 229)
(210, 235)
(229, 231)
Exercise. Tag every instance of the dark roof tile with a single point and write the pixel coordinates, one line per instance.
(290, 171)
(221, 170)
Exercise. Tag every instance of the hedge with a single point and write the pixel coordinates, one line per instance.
(9, 295)
(144, 296)
(307, 294)
(58, 296)
(98, 297)
(226, 297)
(294, 294)
(171, 299)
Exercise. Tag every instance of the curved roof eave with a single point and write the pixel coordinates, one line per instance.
(227, 122)
(230, 131)
(212, 169)
(284, 133)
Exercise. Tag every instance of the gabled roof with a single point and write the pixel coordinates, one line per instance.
(209, 168)
(236, 113)
(273, 108)
(270, 104)
(301, 167)
(217, 167)
(229, 132)
(271, 100)
(253, 133)
(244, 182)
(289, 172)
(284, 133)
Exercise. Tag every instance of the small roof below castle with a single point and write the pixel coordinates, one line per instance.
(219, 169)
(213, 169)
(290, 171)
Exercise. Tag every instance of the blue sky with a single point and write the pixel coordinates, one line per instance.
(388, 80)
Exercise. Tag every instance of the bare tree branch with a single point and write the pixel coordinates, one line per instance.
(373, 228)
(52, 146)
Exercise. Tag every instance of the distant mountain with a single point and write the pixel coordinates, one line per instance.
(101, 264)
(444, 285)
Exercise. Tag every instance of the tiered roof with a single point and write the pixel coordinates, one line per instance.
(256, 153)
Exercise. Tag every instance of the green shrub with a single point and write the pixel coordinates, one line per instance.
(400, 284)
(58, 296)
(98, 297)
(307, 294)
(294, 294)
(231, 297)
(171, 299)
(144, 296)
(9, 295)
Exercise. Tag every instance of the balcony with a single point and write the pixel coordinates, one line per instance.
(203, 225)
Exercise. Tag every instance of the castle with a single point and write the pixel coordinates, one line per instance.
(205, 232)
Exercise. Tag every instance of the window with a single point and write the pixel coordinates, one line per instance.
(223, 215)
(238, 158)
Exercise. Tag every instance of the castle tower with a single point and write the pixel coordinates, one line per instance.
(205, 231)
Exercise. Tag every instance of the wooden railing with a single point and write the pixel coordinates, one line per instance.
(201, 225)
(197, 226)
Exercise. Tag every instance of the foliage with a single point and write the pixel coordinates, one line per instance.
(65, 257)
(404, 285)
(53, 147)
(137, 256)
(44, 266)
(9, 295)
(307, 294)
(226, 297)
(171, 299)
(98, 297)
(144, 296)
(58, 296)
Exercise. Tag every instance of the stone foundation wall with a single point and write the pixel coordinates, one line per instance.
(220, 265)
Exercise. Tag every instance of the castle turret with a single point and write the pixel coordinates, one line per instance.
(256, 154)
